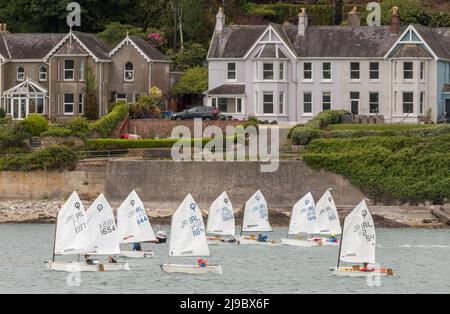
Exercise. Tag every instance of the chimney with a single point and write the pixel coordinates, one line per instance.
(302, 22)
(354, 20)
(395, 21)
(220, 20)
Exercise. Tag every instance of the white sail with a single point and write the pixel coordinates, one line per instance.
(256, 216)
(327, 216)
(102, 226)
(132, 221)
(359, 238)
(304, 218)
(72, 234)
(188, 235)
(221, 217)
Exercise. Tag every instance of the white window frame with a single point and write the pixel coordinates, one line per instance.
(81, 99)
(331, 100)
(408, 71)
(69, 113)
(403, 102)
(264, 103)
(22, 73)
(373, 103)
(232, 72)
(282, 103)
(377, 71)
(43, 75)
(121, 98)
(326, 71)
(309, 71)
(215, 104)
(281, 71)
(272, 71)
(422, 102)
(126, 72)
(81, 71)
(311, 113)
(422, 71)
(67, 70)
(355, 71)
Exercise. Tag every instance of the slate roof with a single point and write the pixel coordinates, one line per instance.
(325, 41)
(228, 89)
(150, 51)
(97, 46)
(411, 51)
(446, 88)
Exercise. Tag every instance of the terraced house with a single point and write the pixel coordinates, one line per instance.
(290, 73)
(46, 73)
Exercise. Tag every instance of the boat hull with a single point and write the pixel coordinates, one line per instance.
(351, 272)
(250, 241)
(192, 269)
(220, 241)
(299, 243)
(83, 267)
(137, 254)
(324, 242)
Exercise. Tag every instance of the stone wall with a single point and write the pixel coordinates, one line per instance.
(164, 184)
(163, 128)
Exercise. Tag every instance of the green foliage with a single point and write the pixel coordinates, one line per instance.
(148, 106)
(79, 127)
(2, 113)
(281, 12)
(115, 32)
(55, 157)
(106, 125)
(325, 118)
(410, 11)
(190, 57)
(91, 106)
(57, 131)
(435, 19)
(12, 138)
(304, 135)
(377, 127)
(117, 144)
(194, 81)
(388, 169)
(34, 124)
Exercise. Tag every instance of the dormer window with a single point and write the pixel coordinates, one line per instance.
(42, 73)
(129, 72)
(20, 74)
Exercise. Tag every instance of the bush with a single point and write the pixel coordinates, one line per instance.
(326, 118)
(34, 124)
(106, 125)
(304, 136)
(2, 113)
(55, 157)
(12, 136)
(117, 144)
(57, 131)
(79, 127)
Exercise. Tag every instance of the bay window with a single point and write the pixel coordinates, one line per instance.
(281, 103)
(408, 70)
(231, 105)
(68, 104)
(268, 105)
(408, 102)
(268, 73)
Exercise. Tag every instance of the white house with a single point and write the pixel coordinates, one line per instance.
(292, 73)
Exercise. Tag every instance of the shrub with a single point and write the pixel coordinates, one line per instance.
(292, 130)
(326, 118)
(117, 144)
(78, 126)
(148, 106)
(34, 124)
(304, 136)
(55, 157)
(12, 136)
(106, 125)
(57, 131)
(2, 113)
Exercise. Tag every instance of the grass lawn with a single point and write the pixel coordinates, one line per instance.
(378, 127)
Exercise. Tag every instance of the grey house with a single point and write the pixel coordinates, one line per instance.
(46, 73)
(292, 73)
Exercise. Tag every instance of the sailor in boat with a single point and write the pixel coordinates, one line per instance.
(202, 263)
(367, 269)
(112, 260)
(89, 260)
(137, 247)
(162, 237)
(262, 238)
(333, 239)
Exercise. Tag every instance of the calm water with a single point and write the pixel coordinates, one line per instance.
(420, 259)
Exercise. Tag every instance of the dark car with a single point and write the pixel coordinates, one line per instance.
(202, 112)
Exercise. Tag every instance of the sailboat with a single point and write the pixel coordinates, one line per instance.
(303, 221)
(188, 239)
(221, 220)
(256, 219)
(328, 222)
(134, 226)
(72, 237)
(358, 245)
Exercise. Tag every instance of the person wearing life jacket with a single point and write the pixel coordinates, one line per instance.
(112, 260)
(366, 268)
(333, 239)
(262, 238)
(137, 247)
(201, 263)
(88, 260)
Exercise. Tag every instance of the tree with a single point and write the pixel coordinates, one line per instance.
(194, 81)
(91, 107)
(409, 10)
(115, 32)
(192, 56)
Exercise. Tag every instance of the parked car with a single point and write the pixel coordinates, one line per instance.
(202, 112)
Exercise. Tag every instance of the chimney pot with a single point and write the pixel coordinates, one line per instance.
(302, 22)
(354, 20)
(395, 21)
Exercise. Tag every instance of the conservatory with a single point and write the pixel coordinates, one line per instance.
(24, 99)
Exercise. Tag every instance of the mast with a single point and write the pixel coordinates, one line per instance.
(340, 251)
(54, 238)
(242, 224)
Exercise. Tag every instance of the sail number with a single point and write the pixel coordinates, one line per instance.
(107, 227)
(262, 209)
(310, 213)
(227, 214)
(365, 231)
(196, 224)
(141, 216)
(78, 220)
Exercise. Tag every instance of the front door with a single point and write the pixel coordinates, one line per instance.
(355, 107)
(19, 108)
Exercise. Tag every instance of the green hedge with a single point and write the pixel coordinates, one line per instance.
(389, 169)
(378, 127)
(55, 157)
(118, 144)
(326, 118)
(304, 135)
(106, 125)
(34, 124)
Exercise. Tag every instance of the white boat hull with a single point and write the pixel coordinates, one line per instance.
(351, 272)
(324, 242)
(192, 269)
(220, 241)
(83, 267)
(299, 243)
(249, 241)
(137, 254)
